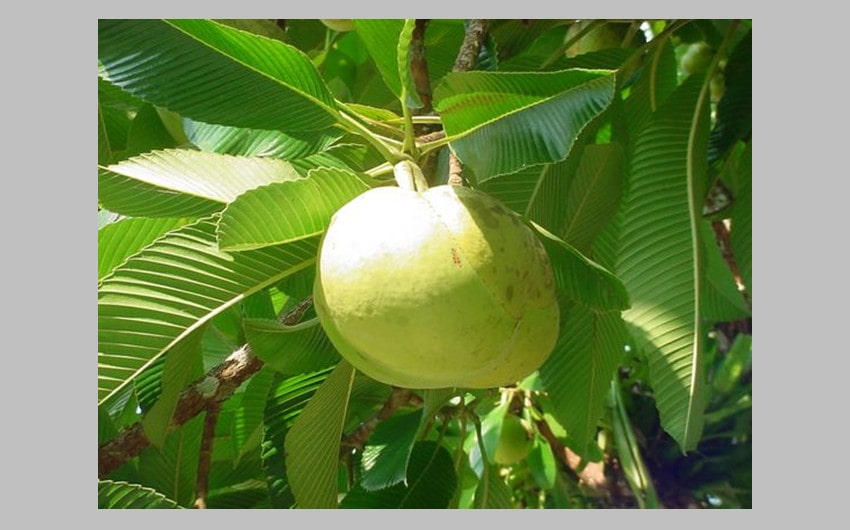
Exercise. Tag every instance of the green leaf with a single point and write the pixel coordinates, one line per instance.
(594, 195)
(388, 43)
(182, 365)
(169, 289)
(121, 495)
(119, 240)
(147, 132)
(215, 74)
(286, 399)
(492, 492)
(287, 211)
(431, 483)
(312, 445)
(248, 417)
(183, 183)
(735, 109)
(578, 374)
(500, 122)
(172, 469)
(491, 429)
(290, 350)
(351, 157)
(741, 232)
(253, 142)
(660, 257)
(385, 457)
(581, 279)
(657, 80)
(722, 301)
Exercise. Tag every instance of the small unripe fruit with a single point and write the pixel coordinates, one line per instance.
(514, 442)
(439, 288)
(696, 58)
(338, 24)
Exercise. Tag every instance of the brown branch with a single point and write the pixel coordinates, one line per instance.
(218, 385)
(590, 475)
(419, 67)
(476, 34)
(202, 482)
(398, 398)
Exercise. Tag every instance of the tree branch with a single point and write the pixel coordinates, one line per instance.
(398, 398)
(476, 34)
(419, 66)
(591, 475)
(202, 482)
(218, 385)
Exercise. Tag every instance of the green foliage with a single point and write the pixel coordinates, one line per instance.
(226, 147)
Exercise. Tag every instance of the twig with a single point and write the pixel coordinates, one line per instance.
(419, 67)
(591, 475)
(398, 398)
(202, 482)
(218, 385)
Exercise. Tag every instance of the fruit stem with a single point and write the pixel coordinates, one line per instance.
(380, 144)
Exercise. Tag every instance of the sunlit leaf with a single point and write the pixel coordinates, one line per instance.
(163, 293)
(183, 183)
(660, 259)
(253, 142)
(113, 495)
(287, 211)
(119, 240)
(500, 122)
(212, 73)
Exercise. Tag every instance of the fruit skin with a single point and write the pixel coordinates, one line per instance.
(514, 443)
(696, 58)
(435, 289)
(338, 24)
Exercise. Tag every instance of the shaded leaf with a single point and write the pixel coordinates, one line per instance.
(581, 279)
(287, 211)
(578, 374)
(172, 469)
(492, 492)
(741, 232)
(181, 366)
(594, 195)
(286, 399)
(253, 142)
(385, 457)
(722, 301)
(290, 350)
(312, 444)
(147, 132)
(212, 73)
(735, 109)
(431, 483)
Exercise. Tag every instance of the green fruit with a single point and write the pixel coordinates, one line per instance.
(338, 24)
(696, 58)
(434, 289)
(514, 442)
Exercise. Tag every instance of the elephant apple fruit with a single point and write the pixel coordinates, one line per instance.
(514, 442)
(439, 288)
